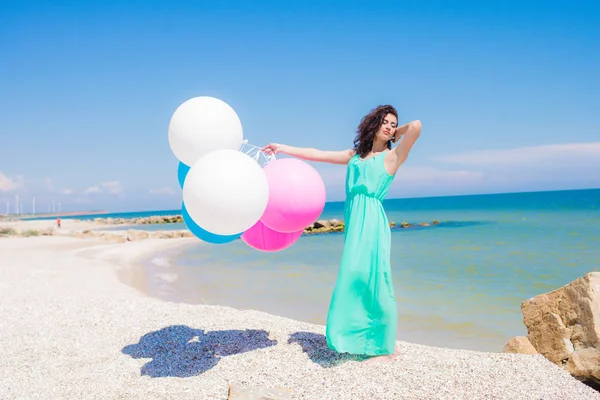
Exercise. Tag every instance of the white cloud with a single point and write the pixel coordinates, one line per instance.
(92, 190)
(420, 180)
(424, 176)
(410, 180)
(67, 191)
(556, 155)
(164, 190)
(8, 184)
(113, 187)
(82, 200)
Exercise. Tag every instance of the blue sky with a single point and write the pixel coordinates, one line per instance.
(507, 93)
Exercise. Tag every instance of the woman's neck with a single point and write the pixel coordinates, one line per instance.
(378, 147)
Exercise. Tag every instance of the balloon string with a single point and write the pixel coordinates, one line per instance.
(255, 152)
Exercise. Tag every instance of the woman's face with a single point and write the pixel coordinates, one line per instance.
(388, 128)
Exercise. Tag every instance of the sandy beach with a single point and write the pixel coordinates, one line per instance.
(68, 226)
(72, 330)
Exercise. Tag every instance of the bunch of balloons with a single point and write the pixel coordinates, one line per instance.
(227, 194)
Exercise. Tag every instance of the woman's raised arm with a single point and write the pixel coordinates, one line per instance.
(410, 133)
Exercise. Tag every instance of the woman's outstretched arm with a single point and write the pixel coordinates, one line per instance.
(310, 154)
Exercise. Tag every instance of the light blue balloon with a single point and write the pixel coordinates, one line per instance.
(182, 171)
(203, 234)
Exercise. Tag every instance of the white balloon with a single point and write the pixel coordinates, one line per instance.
(225, 192)
(201, 125)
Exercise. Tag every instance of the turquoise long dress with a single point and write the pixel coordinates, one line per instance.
(362, 315)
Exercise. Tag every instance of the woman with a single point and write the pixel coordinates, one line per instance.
(362, 315)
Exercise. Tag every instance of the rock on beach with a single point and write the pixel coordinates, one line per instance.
(564, 326)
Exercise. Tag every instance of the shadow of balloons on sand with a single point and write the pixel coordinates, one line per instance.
(315, 345)
(181, 351)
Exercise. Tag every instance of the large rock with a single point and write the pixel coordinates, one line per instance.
(564, 326)
(520, 345)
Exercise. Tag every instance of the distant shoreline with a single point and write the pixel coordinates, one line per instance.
(577, 199)
(76, 213)
(55, 215)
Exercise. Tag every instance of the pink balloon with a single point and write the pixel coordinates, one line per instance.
(262, 238)
(296, 195)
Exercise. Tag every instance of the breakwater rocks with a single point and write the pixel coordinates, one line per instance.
(132, 234)
(335, 225)
(321, 226)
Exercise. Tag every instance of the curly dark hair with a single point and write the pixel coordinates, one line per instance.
(368, 127)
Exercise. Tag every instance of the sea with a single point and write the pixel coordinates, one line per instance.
(458, 284)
